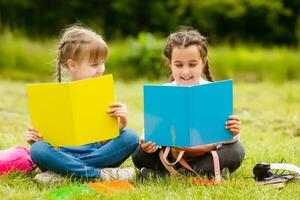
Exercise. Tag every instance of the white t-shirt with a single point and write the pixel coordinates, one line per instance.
(201, 81)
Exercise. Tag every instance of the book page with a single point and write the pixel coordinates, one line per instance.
(166, 115)
(210, 106)
(90, 100)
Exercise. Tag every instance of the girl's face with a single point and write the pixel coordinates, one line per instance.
(84, 69)
(186, 65)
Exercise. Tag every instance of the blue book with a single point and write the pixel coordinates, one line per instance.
(187, 116)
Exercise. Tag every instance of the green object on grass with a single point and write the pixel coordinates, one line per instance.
(69, 192)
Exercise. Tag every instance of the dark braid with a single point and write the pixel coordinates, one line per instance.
(207, 73)
(58, 72)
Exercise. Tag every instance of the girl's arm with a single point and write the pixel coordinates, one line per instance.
(119, 110)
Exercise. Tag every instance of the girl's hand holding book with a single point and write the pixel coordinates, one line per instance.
(148, 147)
(233, 125)
(119, 110)
(32, 136)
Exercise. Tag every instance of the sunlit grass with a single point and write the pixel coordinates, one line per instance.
(270, 132)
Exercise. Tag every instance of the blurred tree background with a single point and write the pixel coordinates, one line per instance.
(250, 39)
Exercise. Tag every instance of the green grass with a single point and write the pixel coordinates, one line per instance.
(26, 59)
(253, 63)
(270, 131)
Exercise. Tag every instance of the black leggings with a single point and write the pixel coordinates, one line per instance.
(230, 155)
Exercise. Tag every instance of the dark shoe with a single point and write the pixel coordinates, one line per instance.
(147, 173)
(225, 173)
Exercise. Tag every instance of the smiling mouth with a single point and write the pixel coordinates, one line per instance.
(186, 79)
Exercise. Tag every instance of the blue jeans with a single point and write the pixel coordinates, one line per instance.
(84, 161)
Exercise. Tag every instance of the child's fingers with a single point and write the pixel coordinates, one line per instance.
(143, 146)
(117, 104)
(119, 113)
(32, 129)
(28, 138)
(233, 127)
(31, 140)
(234, 117)
(151, 148)
(230, 122)
(33, 136)
(33, 133)
(30, 133)
(154, 148)
(38, 135)
(35, 139)
(152, 144)
(113, 112)
(236, 130)
(146, 145)
(116, 107)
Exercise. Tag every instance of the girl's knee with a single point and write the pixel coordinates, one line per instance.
(239, 152)
(131, 136)
(137, 157)
(236, 156)
(39, 150)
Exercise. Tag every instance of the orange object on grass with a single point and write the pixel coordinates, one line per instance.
(111, 186)
(205, 182)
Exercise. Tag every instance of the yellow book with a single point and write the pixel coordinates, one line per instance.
(73, 113)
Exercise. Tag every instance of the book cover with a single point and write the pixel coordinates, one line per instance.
(187, 116)
(73, 113)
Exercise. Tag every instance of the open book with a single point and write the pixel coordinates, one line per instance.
(73, 113)
(186, 116)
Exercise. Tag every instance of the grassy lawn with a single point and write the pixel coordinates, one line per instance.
(270, 132)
